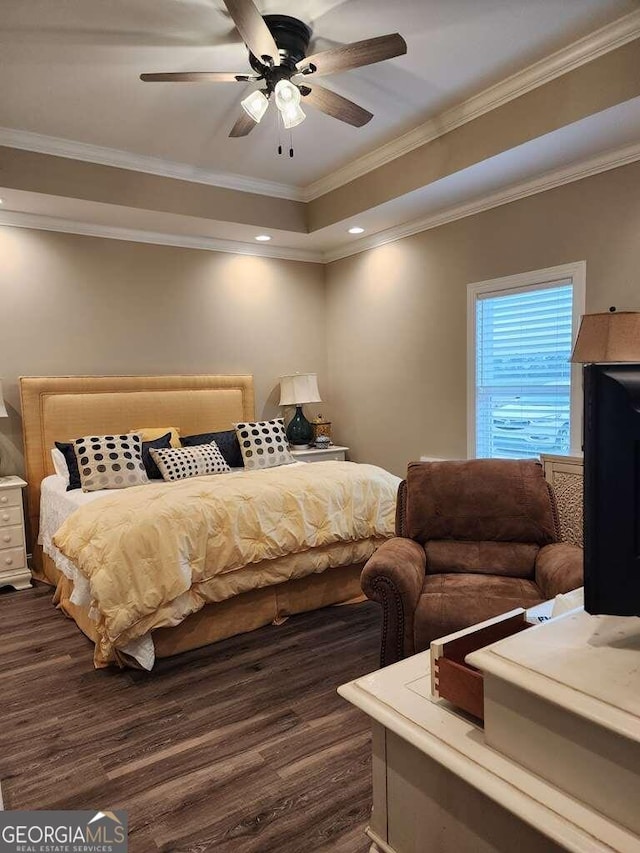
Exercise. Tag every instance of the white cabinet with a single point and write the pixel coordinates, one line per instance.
(443, 785)
(334, 453)
(565, 473)
(13, 553)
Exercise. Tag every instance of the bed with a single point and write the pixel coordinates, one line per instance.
(259, 592)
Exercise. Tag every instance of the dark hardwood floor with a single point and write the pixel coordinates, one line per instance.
(240, 747)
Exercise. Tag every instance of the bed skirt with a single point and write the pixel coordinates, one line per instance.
(238, 615)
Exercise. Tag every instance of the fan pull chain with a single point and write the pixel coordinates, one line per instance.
(290, 144)
(279, 131)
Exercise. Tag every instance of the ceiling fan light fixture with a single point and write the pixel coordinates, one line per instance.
(287, 95)
(255, 105)
(293, 116)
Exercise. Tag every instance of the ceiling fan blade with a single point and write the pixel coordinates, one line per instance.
(255, 33)
(198, 77)
(243, 126)
(355, 55)
(335, 105)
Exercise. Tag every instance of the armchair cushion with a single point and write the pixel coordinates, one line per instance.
(513, 559)
(479, 499)
(451, 602)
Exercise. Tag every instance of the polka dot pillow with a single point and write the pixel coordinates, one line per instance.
(178, 463)
(109, 461)
(264, 444)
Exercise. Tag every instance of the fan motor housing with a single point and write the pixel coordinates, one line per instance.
(292, 38)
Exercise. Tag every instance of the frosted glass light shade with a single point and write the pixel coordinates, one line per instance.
(293, 116)
(613, 337)
(299, 388)
(255, 105)
(3, 411)
(287, 95)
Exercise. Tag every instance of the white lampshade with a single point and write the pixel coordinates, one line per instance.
(298, 389)
(255, 105)
(3, 411)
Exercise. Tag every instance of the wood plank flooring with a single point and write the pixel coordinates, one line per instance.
(241, 747)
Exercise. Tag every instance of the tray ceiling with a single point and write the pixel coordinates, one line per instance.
(70, 70)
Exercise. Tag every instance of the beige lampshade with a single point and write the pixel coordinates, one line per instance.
(298, 389)
(608, 337)
(3, 411)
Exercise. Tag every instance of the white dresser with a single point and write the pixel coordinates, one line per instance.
(13, 553)
(556, 768)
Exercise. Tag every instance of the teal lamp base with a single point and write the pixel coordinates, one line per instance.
(299, 430)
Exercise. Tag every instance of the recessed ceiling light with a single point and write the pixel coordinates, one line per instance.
(356, 230)
(1, 201)
(263, 238)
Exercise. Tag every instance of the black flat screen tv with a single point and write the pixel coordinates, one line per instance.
(612, 489)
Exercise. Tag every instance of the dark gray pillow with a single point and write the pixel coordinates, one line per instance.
(227, 442)
(162, 443)
(66, 448)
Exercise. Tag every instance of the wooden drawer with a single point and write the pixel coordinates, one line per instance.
(10, 515)
(12, 559)
(454, 679)
(10, 497)
(11, 537)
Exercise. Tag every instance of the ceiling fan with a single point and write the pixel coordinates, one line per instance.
(277, 54)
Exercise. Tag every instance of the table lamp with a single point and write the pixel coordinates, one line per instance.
(295, 390)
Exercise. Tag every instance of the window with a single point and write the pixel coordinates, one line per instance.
(523, 399)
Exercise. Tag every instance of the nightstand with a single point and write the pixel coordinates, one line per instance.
(13, 553)
(334, 453)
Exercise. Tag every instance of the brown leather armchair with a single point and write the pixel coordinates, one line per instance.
(473, 540)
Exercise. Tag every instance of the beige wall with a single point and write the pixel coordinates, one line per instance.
(385, 330)
(76, 305)
(396, 320)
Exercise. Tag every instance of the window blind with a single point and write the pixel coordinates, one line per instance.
(523, 345)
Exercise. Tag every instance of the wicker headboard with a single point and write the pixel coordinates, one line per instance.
(59, 408)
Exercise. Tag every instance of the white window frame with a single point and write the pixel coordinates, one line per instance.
(535, 279)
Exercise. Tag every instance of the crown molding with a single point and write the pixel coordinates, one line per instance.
(38, 222)
(54, 145)
(557, 178)
(598, 43)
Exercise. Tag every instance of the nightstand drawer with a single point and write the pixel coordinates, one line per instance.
(10, 497)
(11, 537)
(334, 453)
(11, 559)
(332, 456)
(10, 515)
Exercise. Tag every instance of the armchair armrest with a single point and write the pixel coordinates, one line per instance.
(559, 568)
(394, 576)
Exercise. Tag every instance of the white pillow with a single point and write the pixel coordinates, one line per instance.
(60, 464)
(263, 444)
(110, 461)
(179, 463)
